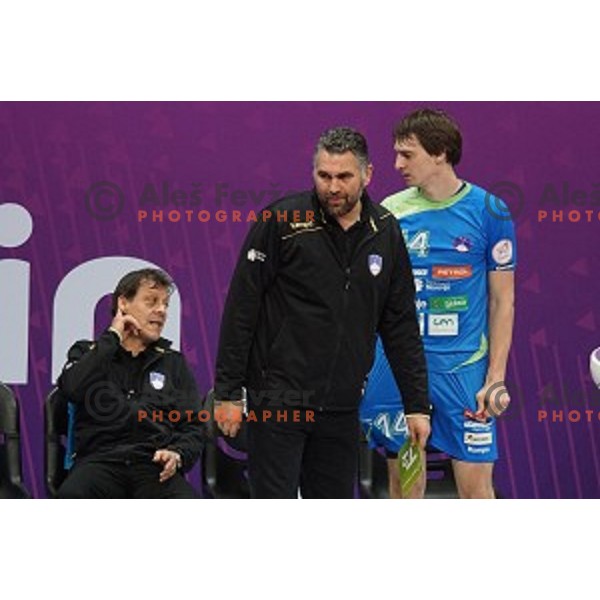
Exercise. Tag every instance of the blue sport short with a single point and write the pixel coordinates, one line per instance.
(384, 423)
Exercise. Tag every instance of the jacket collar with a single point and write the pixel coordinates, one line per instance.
(161, 345)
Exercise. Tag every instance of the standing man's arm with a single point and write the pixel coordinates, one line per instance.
(399, 330)
(493, 399)
(254, 273)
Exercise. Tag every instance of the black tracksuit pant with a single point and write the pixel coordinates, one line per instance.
(122, 479)
(319, 459)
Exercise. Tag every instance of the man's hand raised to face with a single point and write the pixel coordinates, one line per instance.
(125, 325)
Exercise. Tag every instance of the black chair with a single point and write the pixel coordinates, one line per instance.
(366, 468)
(56, 422)
(11, 475)
(224, 461)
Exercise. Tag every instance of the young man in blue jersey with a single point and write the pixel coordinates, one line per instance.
(461, 243)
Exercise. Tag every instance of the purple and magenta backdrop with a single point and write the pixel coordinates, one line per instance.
(239, 156)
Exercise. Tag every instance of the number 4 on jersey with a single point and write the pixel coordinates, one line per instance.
(418, 244)
(391, 428)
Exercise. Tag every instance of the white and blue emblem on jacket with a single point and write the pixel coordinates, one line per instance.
(157, 380)
(375, 264)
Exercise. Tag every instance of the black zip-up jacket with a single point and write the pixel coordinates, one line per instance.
(109, 387)
(300, 320)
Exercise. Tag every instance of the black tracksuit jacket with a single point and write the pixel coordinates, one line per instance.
(301, 317)
(108, 389)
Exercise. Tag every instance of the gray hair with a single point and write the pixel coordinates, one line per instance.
(340, 140)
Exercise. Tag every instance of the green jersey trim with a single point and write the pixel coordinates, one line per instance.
(411, 202)
(477, 355)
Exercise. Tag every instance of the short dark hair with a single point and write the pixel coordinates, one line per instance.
(129, 284)
(437, 132)
(340, 140)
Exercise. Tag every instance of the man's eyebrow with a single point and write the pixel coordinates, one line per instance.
(328, 174)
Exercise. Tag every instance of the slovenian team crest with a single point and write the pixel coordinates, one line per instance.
(157, 380)
(375, 264)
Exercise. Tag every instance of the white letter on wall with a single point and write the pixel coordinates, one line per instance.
(16, 226)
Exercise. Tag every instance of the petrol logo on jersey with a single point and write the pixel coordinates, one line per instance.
(452, 271)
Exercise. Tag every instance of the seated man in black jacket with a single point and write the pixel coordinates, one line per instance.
(136, 401)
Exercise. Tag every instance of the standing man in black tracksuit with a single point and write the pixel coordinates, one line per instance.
(319, 275)
(136, 401)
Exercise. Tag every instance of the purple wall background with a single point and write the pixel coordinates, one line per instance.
(50, 153)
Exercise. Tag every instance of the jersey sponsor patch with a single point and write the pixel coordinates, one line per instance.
(442, 325)
(502, 252)
(477, 450)
(477, 425)
(478, 439)
(448, 303)
(437, 286)
(452, 271)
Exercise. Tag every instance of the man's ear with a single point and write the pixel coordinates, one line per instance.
(440, 159)
(368, 175)
(122, 304)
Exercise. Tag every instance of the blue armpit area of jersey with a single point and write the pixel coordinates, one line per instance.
(381, 410)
